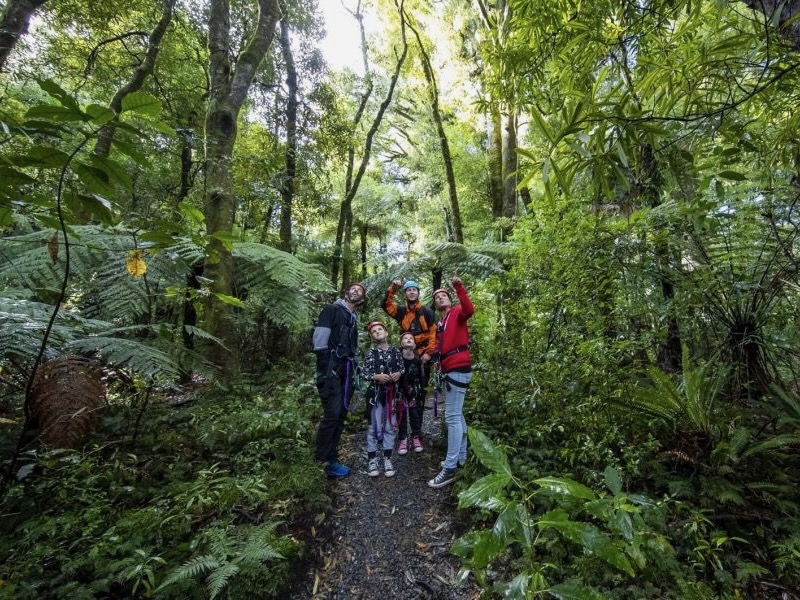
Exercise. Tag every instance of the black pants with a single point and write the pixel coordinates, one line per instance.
(331, 393)
(416, 412)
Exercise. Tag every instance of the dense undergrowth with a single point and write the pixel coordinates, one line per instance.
(204, 501)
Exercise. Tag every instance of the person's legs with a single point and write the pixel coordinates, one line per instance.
(332, 423)
(455, 391)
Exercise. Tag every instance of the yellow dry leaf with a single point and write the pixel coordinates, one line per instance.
(135, 263)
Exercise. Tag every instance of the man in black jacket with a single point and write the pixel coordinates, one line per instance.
(336, 345)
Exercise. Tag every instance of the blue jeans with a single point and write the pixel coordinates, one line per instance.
(454, 417)
(387, 429)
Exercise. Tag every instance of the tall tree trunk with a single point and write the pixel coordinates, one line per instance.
(495, 163)
(14, 24)
(363, 230)
(229, 88)
(345, 207)
(433, 92)
(287, 181)
(346, 212)
(510, 166)
(106, 133)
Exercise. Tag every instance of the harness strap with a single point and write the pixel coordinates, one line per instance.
(455, 350)
(448, 382)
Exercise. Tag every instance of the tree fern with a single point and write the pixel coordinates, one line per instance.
(688, 403)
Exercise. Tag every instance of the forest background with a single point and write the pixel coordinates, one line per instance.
(183, 184)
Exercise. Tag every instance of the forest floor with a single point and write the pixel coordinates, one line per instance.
(387, 537)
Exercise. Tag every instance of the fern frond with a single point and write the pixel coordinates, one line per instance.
(191, 569)
(777, 442)
(219, 578)
(131, 354)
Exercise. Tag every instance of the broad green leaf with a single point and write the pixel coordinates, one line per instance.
(55, 91)
(191, 212)
(488, 454)
(157, 238)
(42, 157)
(53, 112)
(485, 493)
(732, 175)
(94, 179)
(516, 589)
(162, 127)
(575, 591)
(131, 151)
(232, 300)
(566, 486)
(6, 216)
(623, 522)
(227, 238)
(478, 547)
(113, 170)
(9, 177)
(613, 480)
(100, 114)
(601, 545)
(142, 103)
(509, 526)
(93, 204)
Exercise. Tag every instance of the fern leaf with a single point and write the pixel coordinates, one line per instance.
(219, 578)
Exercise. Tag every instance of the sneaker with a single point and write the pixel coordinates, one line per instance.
(402, 447)
(417, 443)
(388, 467)
(336, 470)
(372, 467)
(461, 463)
(443, 478)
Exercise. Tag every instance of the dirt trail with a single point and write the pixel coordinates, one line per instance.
(388, 537)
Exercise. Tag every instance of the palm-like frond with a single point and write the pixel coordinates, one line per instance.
(688, 403)
(478, 262)
(142, 358)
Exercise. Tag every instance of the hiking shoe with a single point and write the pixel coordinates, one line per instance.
(443, 478)
(337, 470)
(372, 467)
(461, 463)
(417, 443)
(388, 467)
(402, 447)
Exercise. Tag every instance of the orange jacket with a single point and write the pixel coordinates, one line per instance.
(418, 319)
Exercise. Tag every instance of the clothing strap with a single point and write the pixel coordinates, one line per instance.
(455, 350)
(449, 381)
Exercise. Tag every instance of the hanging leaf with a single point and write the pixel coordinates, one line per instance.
(486, 493)
(232, 300)
(732, 175)
(100, 114)
(52, 248)
(135, 263)
(113, 170)
(141, 103)
(54, 90)
(94, 179)
(53, 112)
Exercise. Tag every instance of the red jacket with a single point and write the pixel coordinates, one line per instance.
(453, 334)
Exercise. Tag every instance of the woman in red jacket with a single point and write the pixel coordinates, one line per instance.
(455, 363)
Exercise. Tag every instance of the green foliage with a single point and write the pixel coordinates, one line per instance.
(186, 511)
(615, 531)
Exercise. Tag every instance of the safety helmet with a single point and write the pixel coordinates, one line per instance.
(446, 291)
(372, 324)
(410, 284)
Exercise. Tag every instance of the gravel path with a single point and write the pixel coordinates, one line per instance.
(387, 537)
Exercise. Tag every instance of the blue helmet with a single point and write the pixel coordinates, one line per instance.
(410, 284)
